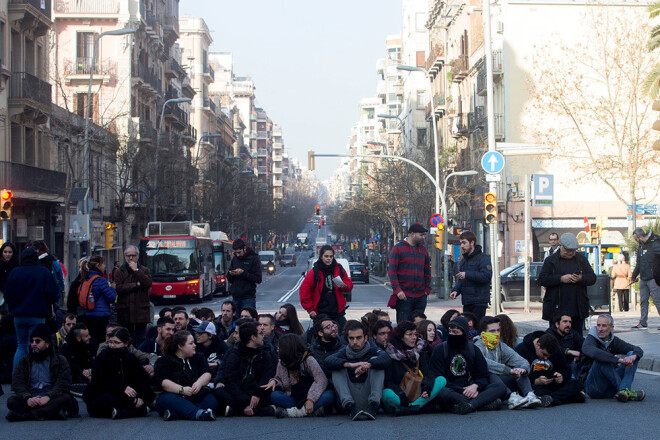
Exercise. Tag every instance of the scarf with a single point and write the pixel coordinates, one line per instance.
(327, 270)
(355, 355)
(409, 355)
(490, 339)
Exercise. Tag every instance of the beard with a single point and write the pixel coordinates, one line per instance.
(39, 355)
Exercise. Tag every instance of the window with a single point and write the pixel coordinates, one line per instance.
(84, 52)
(420, 59)
(421, 99)
(421, 136)
(79, 103)
(420, 22)
(3, 60)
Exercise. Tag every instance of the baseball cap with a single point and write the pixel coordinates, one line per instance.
(569, 241)
(206, 327)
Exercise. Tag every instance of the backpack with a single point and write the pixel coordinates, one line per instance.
(85, 296)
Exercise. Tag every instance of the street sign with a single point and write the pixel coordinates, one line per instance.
(377, 237)
(436, 220)
(543, 189)
(493, 177)
(492, 162)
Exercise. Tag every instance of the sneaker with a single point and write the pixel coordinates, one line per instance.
(622, 396)
(228, 411)
(371, 411)
(462, 408)
(352, 411)
(636, 396)
(167, 415)
(532, 400)
(268, 411)
(546, 401)
(495, 405)
(77, 389)
(516, 401)
(581, 397)
(319, 412)
(207, 416)
(280, 413)
(640, 326)
(114, 413)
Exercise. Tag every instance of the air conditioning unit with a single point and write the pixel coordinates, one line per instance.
(35, 232)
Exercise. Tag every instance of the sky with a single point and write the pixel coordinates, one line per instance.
(311, 62)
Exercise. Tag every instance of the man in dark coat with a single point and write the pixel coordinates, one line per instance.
(570, 340)
(244, 274)
(648, 261)
(566, 275)
(133, 282)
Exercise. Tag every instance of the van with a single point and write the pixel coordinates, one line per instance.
(266, 257)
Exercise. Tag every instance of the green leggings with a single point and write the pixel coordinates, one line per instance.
(392, 400)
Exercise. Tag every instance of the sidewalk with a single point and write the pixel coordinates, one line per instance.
(648, 340)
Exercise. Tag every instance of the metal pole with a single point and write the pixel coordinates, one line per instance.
(490, 111)
(528, 226)
(88, 111)
(5, 237)
(439, 253)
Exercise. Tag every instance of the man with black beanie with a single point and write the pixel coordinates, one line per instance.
(244, 274)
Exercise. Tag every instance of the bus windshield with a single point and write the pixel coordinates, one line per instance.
(170, 257)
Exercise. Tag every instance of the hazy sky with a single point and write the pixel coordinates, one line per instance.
(311, 62)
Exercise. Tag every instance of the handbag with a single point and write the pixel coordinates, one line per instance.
(411, 383)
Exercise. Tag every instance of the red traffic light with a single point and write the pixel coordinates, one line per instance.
(6, 194)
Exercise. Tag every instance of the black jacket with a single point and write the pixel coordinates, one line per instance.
(172, 368)
(244, 286)
(648, 258)
(378, 359)
(594, 349)
(246, 370)
(113, 371)
(395, 372)
(475, 288)
(547, 368)
(570, 298)
(7, 266)
(461, 367)
(572, 341)
(321, 350)
(214, 352)
(60, 375)
(80, 356)
(30, 289)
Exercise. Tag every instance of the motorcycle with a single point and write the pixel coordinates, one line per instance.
(270, 268)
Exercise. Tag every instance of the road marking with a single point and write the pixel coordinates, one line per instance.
(287, 295)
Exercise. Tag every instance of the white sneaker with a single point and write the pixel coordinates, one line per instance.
(532, 401)
(296, 412)
(515, 401)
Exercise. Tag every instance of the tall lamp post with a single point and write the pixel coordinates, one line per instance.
(192, 196)
(160, 126)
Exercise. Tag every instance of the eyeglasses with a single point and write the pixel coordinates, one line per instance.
(330, 326)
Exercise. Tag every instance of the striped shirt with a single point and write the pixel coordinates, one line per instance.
(410, 270)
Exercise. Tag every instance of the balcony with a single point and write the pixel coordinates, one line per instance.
(27, 94)
(187, 88)
(77, 71)
(458, 126)
(209, 73)
(500, 127)
(189, 136)
(435, 60)
(173, 69)
(147, 132)
(440, 106)
(277, 158)
(262, 152)
(459, 68)
(25, 178)
(262, 170)
(209, 105)
(171, 28)
(32, 15)
(277, 170)
(148, 79)
(177, 116)
(277, 182)
(87, 7)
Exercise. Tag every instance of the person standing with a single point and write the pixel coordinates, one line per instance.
(474, 274)
(104, 295)
(133, 282)
(648, 257)
(8, 262)
(621, 279)
(244, 274)
(319, 294)
(409, 271)
(30, 292)
(566, 275)
(553, 238)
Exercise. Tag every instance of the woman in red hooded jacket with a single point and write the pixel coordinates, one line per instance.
(319, 294)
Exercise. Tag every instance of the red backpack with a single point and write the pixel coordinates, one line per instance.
(85, 296)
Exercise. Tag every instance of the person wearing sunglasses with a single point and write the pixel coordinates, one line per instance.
(132, 282)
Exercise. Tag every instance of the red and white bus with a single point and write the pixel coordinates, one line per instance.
(221, 254)
(180, 258)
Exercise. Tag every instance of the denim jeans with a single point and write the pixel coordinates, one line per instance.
(24, 326)
(605, 380)
(240, 303)
(183, 408)
(281, 399)
(405, 309)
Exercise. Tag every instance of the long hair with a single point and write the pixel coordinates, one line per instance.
(291, 351)
(369, 320)
(422, 327)
(508, 331)
(93, 264)
(294, 323)
(14, 260)
(172, 344)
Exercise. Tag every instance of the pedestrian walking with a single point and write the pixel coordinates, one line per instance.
(621, 276)
(132, 282)
(648, 258)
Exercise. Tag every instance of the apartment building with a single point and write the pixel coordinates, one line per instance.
(278, 164)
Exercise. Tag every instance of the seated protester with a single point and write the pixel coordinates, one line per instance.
(233, 336)
(327, 341)
(147, 360)
(549, 373)
(8, 344)
(427, 331)
(248, 367)
(408, 355)
(41, 382)
(570, 341)
(419, 317)
(164, 330)
(248, 312)
(266, 326)
(59, 338)
(183, 375)
(508, 365)
(381, 315)
(209, 346)
(182, 321)
(224, 324)
(381, 332)
(79, 352)
(164, 312)
(286, 321)
(508, 331)
(368, 321)
(603, 373)
(299, 386)
(205, 314)
(449, 316)
(469, 387)
(358, 374)
(473, 323)
(120, 386)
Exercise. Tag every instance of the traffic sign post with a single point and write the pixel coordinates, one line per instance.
(436, 220)
(492, 162)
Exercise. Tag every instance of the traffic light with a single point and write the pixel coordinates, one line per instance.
(109, 235)
(594, 233)
(310, 160)
(318, 210)
(439, 239)
(490, 208)
(656, 126)
(5, 199)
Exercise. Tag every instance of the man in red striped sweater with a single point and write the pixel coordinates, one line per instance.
(410, 274)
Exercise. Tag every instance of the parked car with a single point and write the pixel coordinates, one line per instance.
(512, 282)
(288, 260)
(359, 272)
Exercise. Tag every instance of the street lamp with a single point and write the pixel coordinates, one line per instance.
(160, 126)
(192, 195)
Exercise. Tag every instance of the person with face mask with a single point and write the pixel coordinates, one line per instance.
(469, 387)
(505, 363)
(120, 386)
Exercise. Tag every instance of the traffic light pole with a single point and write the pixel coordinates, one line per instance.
(5, 238)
